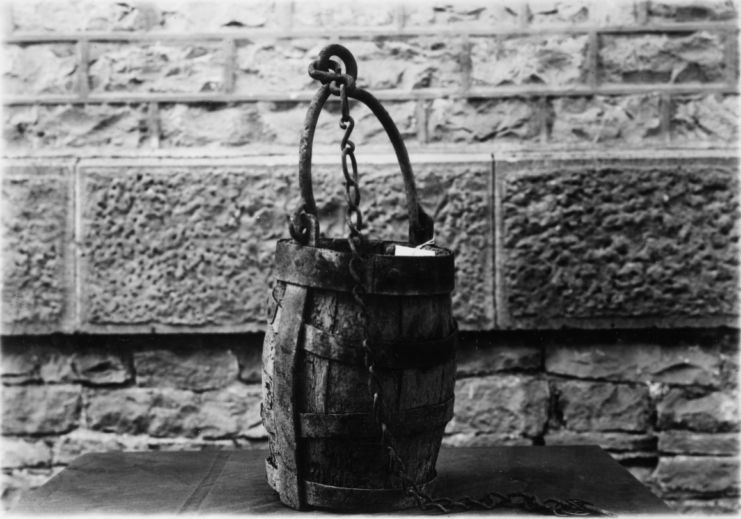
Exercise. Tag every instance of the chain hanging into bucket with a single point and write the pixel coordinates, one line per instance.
(354, 220)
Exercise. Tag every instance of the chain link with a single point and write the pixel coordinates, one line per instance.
(354, 220)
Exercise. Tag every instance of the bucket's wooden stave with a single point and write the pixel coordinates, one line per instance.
(337, 446)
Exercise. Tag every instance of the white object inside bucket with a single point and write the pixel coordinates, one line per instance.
(400, 250)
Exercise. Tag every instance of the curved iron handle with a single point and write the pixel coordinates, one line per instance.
(421, 226)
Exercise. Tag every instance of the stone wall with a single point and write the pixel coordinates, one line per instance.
(662, 403)
(150, 162)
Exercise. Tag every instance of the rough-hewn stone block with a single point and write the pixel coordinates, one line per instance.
(408, 64)
(25, 453)
(58, 360)
(82, 441)
(75, 15)
(660, 58)
(500, 404)
(551, 60)
(543, 12)
(612, 441)
(466, 12)
(231, 412)
(697, 475)
(613, 120)
(39, 69)
(705, 507)
(102, 366)
(157, 67)
(598, 406)
(671, 364)
(185, 368)
(482, 120)
(729, 372)
(485, 440)
(352, 13)
(211, 125)
(685, 442)
(40, 409)
(157, 412)
(477, 356)
(221, 16)
(248, 350)
(278, 65)
(36, 235)
(275, 124)
(75, 126)
(691, 11)
(596, 242)
(684, 409)
(175, 247)
(705, 119)
(20, 361)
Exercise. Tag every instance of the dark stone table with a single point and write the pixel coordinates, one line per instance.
(234, 481)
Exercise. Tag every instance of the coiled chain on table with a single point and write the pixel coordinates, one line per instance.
(342, 84)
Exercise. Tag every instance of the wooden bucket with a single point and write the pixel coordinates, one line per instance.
(325, 446)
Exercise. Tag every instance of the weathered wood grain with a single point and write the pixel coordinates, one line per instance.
(337, 443)
(293, 305)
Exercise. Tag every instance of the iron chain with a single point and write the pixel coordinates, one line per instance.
(340, 84)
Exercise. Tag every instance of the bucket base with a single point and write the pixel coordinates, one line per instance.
(351, 499)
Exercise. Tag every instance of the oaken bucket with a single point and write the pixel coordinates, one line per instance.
(359, 354)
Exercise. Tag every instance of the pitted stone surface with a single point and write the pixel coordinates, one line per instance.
(500, 404)
(686, 409)
(671, 364)
(550, 60)
(36, 210)
(194, 246)
(39, 69)
(40, 409)
(633, 120)
(185, 368)
(482, 120)
(620, 241)
(157, 67)
(711, 118)
(598, 406)
(180, 246)
(660, 58)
